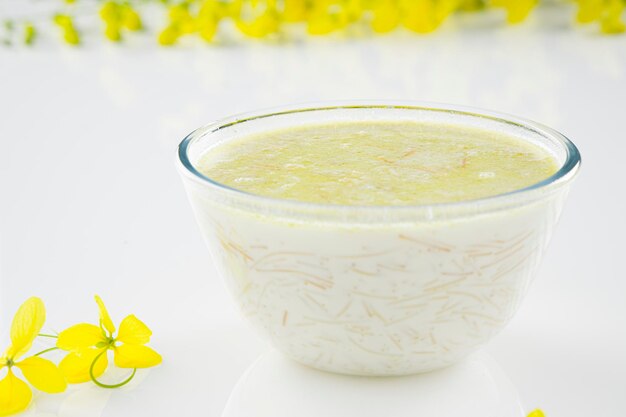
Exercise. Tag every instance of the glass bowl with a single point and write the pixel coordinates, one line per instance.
(377, 290)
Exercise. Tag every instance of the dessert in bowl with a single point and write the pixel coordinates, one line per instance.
(377, 239)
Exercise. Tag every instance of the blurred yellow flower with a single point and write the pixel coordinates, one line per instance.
(262, 23)
(322, 24)
(295, 10)
(472, 5)
(88, 345)
(66, 23)
(262, 18)
(589, 10)
(130, 18)
(386, 16)
(181, 17)
(607, 12)
(420, 15)
(117, 16)
(30, 33)
(15, 394)
(112, 32)
(536, 413)
(109, 11)
(612, 20)
(517, 10)
(169, 35)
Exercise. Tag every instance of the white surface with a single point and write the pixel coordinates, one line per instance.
(91, 201)
(275, 386)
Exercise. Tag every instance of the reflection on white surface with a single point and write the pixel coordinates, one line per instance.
(277, 387)
(84, 400)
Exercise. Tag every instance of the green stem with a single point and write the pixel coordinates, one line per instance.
(103, 385)
(46, 351)
(48, 335)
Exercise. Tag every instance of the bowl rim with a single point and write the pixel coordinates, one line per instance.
(562, 176)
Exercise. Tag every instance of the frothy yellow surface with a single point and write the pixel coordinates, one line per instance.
(378, 163)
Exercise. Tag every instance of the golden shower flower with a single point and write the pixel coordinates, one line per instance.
(15, 394)
(420, 15)
(130, 19)
(112, 32)
(66, 23)
(294, 11)
(30, 33)
(263, 25)
(88, 345)
(386, 16)
(169, 35)
(607, 12)
(517, 10)
(181, 17)
(117, 16)
(109, 12)
(612, 20)
(207, 27)
(472, 5)
(589, 10)
(258, 21)
(323, 24)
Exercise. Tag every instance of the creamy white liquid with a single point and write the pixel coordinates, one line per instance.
(380, 297)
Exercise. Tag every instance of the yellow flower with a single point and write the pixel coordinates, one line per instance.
(420, 15)
(258, 23)
(110, 11)
(15, 394)
(536, 413)
(207, 27)
(130, 18)
(386, 16)
(117, 16)
(260, 27)
(327, 16)
(169, 35)
(223, 8)
(294, 10)
(30, 33)
(70, 34)
(472, 5)
(517, 10)
(88, 345)
(612, 20)
(607, 12)
(112, 32)
(323, 24)
(589, 10)
(181, 17)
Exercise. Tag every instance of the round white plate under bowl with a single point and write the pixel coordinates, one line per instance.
(275, 386)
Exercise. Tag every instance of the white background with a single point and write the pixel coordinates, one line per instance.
(90, 200)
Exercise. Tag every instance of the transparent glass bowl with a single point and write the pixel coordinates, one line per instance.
(377, 290)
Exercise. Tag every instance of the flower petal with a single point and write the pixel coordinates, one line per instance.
(80, 336)
(133, 331)
(43, 374)
(136, 356)
(105, 319)
(27, 323)
(75, 366)
(15, 395)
